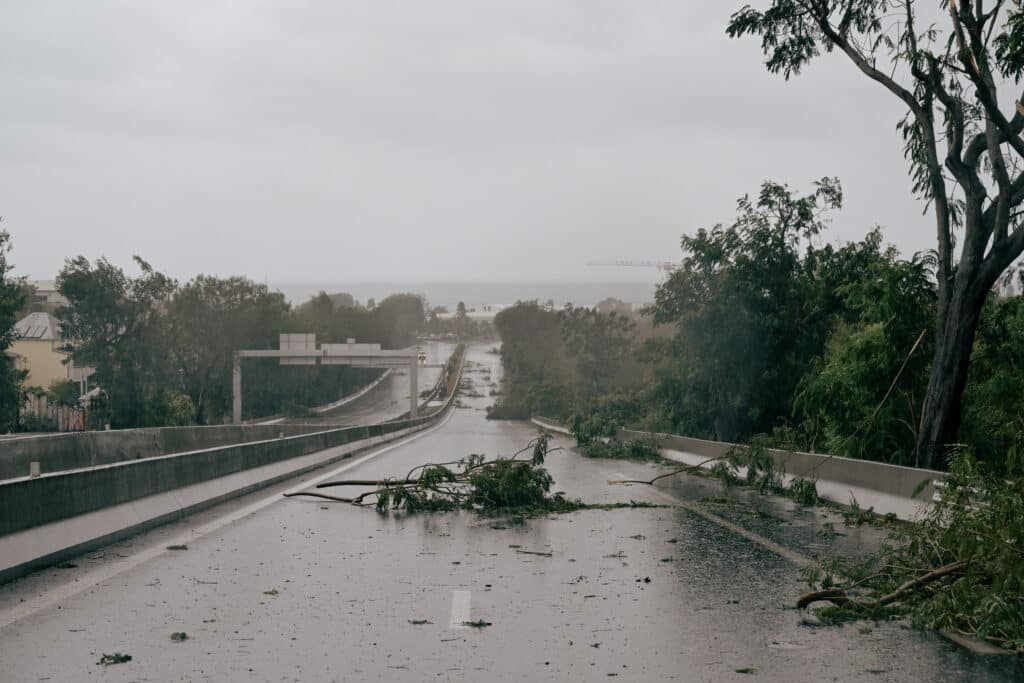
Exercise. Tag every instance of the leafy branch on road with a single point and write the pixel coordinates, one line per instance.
(960, 568)
(470, 483)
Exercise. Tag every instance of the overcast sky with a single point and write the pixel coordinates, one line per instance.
(413, 141)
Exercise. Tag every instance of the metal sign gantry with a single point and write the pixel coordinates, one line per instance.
(301, 349)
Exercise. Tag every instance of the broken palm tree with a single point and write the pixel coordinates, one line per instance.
(471, 483)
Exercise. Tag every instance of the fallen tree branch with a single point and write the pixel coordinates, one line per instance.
(367, 482)
(934, 575)
(472, 482)
(650, 482)
(838, 596)
(320, 495)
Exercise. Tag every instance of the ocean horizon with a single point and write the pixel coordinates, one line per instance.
(476, 294)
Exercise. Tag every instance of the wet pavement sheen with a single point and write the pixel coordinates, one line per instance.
(390, 398)
(304, 590)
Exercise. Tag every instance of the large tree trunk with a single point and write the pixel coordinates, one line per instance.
(955, 329)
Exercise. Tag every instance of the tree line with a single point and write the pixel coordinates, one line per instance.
(768, 329)
(162, 349)
(948, 66)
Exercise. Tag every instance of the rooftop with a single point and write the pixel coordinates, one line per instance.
(37, 327)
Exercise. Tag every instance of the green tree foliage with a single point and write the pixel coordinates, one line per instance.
(538, 370)
(29, 304)
(63, 392)
(994, 400)
(752, 304)
(945, 65)
(208, 319)
(576, 364)
(861, 398)
(959, 568)
(163, 352)
(601, 345)
(114, 323)
(398, 318)
(12, 300)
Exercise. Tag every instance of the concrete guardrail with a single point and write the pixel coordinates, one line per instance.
(903, 491)
(32, 501)
(47, 518)
(75, 450)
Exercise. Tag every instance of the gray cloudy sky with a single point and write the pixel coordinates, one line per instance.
(369, 141)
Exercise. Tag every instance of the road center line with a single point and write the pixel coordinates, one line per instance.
(460, 609)
(59, 594)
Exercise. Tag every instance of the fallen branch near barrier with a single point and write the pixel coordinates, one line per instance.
(839, 596)
(470, 483)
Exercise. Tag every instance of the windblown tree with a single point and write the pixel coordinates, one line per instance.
(966, 155)
(398, 318)
(114, 323)
(748, 315)
(12, 299)
(209, 318)
(602, 345)
(539, 372)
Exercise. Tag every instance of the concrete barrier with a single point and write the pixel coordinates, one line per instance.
(891, 480)
(32, 501)
(75, 450)
(46, 519)
(551, 425)
(42, 546)
(903, 491)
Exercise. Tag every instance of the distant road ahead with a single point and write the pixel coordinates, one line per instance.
(390, 398)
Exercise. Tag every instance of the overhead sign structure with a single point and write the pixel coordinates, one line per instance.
(301, 349)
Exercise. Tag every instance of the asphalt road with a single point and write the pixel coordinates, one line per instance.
(274, 589)
(390, 398)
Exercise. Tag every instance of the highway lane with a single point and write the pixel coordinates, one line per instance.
(274, 589)
(390, 398)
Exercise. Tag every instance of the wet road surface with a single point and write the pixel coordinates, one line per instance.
(390, 398)
(301, 590)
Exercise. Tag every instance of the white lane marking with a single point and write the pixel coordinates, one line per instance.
(99, 575)
(460, 609)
